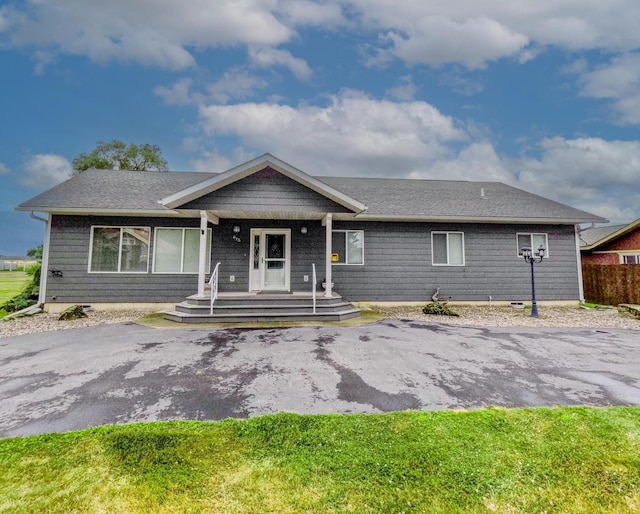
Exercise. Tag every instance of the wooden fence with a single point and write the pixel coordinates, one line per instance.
(611, 284)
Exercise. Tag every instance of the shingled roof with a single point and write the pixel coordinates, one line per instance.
(594, 237)
(135, 192)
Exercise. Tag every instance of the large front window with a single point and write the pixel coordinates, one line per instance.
(447, 248)
(119, 249)
(347, 246)
(177, 250)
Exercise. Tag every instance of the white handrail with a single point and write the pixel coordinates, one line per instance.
(213, 284)
(313, 286)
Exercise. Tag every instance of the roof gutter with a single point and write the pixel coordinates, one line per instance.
(38, 218)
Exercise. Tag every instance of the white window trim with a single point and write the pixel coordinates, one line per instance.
(118, 271)
(346, 249)
(155, 246)
(447, 232)
(531, 234)
(623, 254)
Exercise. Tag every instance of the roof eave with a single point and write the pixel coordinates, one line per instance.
(470, 219)
(101, 212)
(614, 235)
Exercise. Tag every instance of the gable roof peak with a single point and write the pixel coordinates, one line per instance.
(255, 165)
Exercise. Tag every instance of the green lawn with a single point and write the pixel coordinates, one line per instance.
(494, 460)
(12, 283)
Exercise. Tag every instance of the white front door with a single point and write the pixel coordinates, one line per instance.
(270, 264)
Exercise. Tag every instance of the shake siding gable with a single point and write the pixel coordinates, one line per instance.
(266, 191)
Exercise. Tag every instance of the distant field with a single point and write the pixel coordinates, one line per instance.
(12, 283)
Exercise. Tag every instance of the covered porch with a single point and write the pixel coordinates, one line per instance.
(253, 269)
(265, 228)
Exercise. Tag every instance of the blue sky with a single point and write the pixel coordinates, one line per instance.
(541, 95)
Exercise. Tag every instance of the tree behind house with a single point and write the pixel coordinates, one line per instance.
(117, 155)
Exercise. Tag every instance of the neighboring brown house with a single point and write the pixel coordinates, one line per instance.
(618, 244)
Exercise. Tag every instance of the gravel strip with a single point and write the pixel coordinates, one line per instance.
(49, 322)
(469, 315)
(509, 317)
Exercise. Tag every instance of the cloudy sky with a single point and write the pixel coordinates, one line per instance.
(542, 95)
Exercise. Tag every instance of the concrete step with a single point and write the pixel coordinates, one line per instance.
(273, 307)
(263, 298)
(261, 316)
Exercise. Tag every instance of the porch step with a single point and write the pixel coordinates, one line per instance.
(251, 307)
(258, 316)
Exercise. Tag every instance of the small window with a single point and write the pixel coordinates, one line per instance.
(629, 259)
(447, 248)
(347, 247)
(119, 249)
(533, 241)
(177, 250)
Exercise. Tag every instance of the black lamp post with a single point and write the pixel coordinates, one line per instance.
(529, 256)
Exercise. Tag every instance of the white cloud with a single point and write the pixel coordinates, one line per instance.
(436, 40)
(179, 93)
(477, 161)
(619, 81)
(151, 33)
(270, 57)
(460, 83)
(43, 171)
(473, 32)
(166, 33)
(592, 174)
(405, 89)
(3, 169)
(353, 132)
(236, 83)
(356, 135)
(306, 12)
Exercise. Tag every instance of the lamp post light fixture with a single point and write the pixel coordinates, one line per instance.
(533, 257)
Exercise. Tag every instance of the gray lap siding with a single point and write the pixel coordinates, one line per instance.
(397, 262)
(69, 253)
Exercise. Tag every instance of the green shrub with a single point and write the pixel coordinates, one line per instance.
(439, 309)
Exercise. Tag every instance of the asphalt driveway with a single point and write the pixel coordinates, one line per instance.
(72, 379)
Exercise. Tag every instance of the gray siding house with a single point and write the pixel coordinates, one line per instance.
(262, 227)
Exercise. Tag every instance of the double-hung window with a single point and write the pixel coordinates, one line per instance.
(447, 248)
(347, 246)
(119, 249)
(533, 241)
(177, 250)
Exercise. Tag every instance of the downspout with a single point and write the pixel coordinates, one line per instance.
(579, 261)
(45, 258)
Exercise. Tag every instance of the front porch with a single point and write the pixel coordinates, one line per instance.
(258, 306)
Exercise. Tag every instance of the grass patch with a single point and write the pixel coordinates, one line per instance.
(574, 459)
(12, 283)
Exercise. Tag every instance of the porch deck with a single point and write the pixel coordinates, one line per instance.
(232, 307)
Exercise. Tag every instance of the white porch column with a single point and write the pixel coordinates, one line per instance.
(328, 277)
(202, 265)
